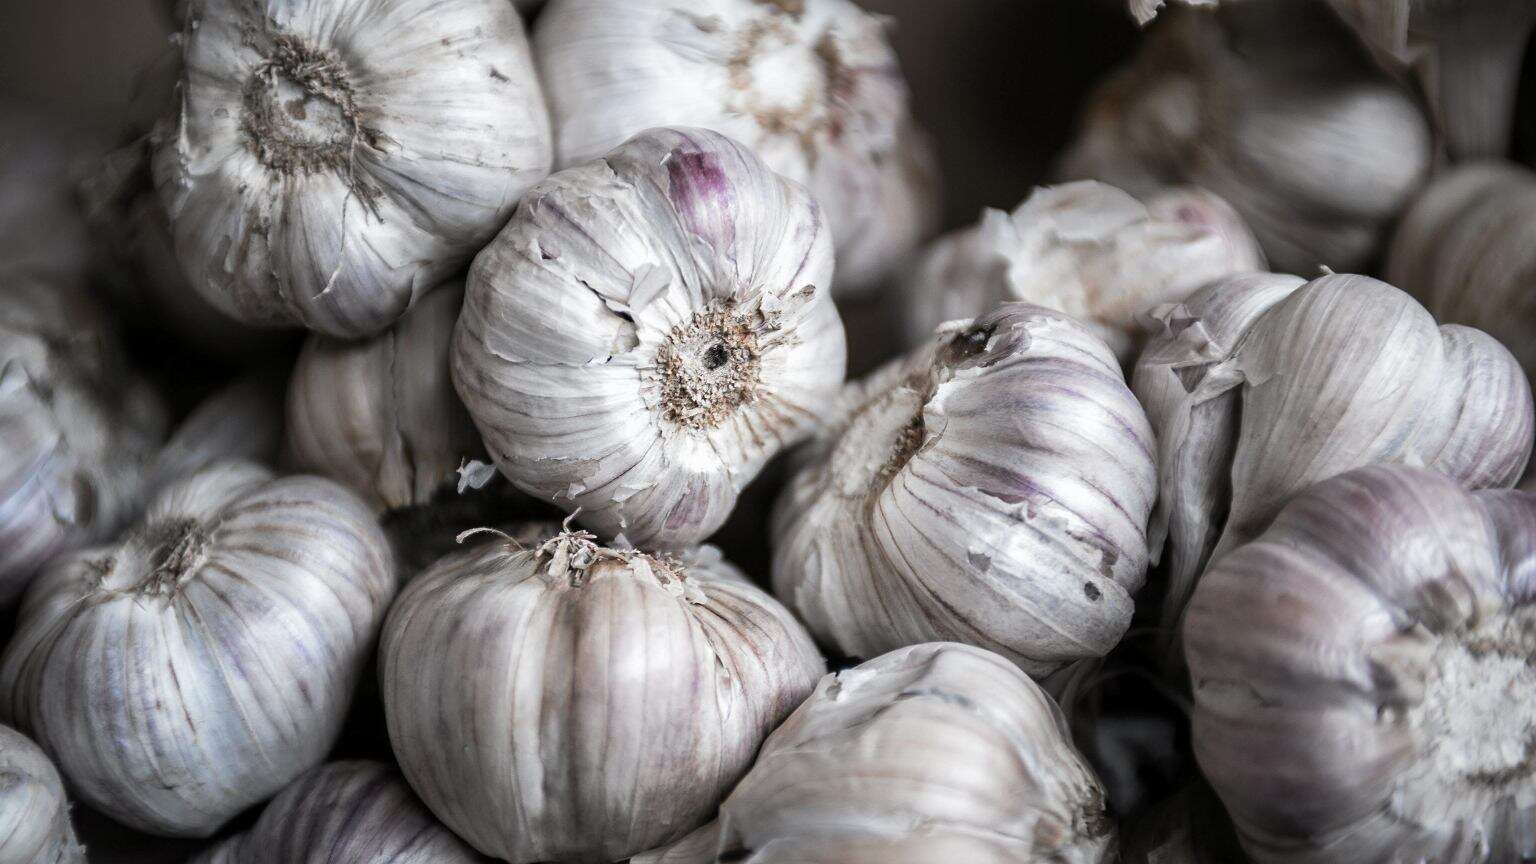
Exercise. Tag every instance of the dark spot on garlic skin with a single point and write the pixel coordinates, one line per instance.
(715, 357)
(1092, 591)
(963, 346)
(496, 74)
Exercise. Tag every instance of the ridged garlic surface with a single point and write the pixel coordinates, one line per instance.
(78, 427)
(34, 812)
(332, 162)
(1086, 249)
(345, 813)
(1262, 385)
(206, 660)
(812, 86)
(649, 330)
(573, 702)
(1363, 675)
(934, 752)
(991, 488)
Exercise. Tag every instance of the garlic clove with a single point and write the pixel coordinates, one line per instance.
(34, 812)
(992, 487)
(207, 659)
(648, 331)
(603, 702)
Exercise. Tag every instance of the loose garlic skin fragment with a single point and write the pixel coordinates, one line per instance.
(208, 659)
(345, 813)
(991, 488)
(332, 162)
(572, 702)
(34, 812)
(1086, 249)
(933, 752)
(1363, 674)
(812, 86)
(1246, 415)
(648, 331)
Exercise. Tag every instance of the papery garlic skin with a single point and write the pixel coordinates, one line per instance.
(649, 330)
(34, 812)
(812, 86)
(1362, 674)
(578, 703)
(346, 813)
(332, 162)
(992, 488)
(208, 659)
(1086, 249)
(78, 427)
(933, 752)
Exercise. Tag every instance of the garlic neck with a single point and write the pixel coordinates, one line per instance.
(299, 111)
(173, 552)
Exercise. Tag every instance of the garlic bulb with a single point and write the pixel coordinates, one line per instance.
(206, 660)
(934, 752)
(1262, 385)
(811, 85)
(649, 330)
(77, 427)
(579, 703)
(42, 230)
(1086, 249)
(1362, 674)
(331, 162)
(345, 813)
(244, 420)
(992, 488)
(34, 814)
(1271, 107)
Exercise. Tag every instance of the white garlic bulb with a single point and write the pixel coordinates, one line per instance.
(243, 420)
(77, 427)
(1086, 249)
(1262, 385)
(1362, 674)
(579, 703)
(1272, 107)
(206, 660)
(649, 330)
(992, 488)
(345, 813)
(34, 813)
(812, 86)
(934, 752)
(332, 162)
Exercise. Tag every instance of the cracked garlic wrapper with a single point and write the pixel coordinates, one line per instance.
(1363, 675)
(578, 703)
(649, 330)
(332, 162)
(1262, 385)
(207, 659)
(34, 812)
(992, 488)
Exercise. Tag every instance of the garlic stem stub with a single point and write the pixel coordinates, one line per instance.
(208, 658)
(648, 331)
(933, 752)
(1363, 674)
(1262, 385)
(345, 813)
(34, 812)
(1086, 249)
(332, 162)
(812, 86)
(575, 702)
(991, 488)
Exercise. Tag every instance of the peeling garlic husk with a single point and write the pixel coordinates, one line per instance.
(78, 427)
(1363, 674)
(1247, 416)
(648, 331)
(330, 163)
(812, 86)
(241, 421)
(1272, 107)
(208, 658)
(1086, 249)
(933, 752)
(346, 812)
(993, 488)
(34, 812)
(541, 699)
